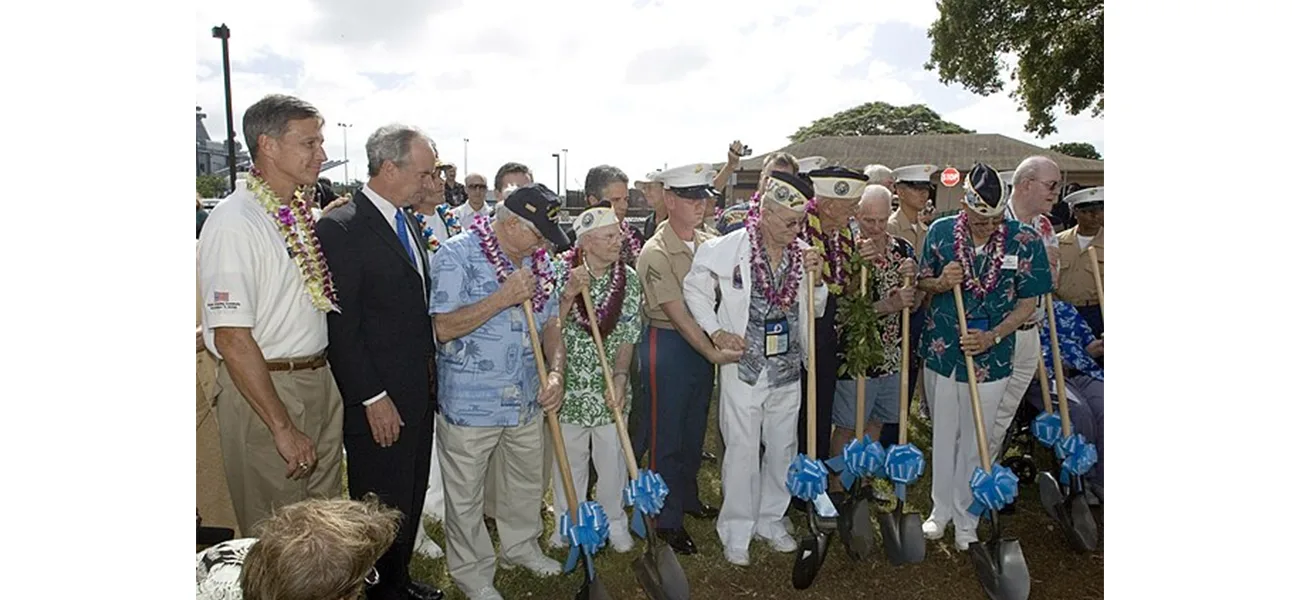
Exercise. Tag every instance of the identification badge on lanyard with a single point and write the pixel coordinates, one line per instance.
(776, 337)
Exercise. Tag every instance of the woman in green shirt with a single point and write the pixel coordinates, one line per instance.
(587, 415)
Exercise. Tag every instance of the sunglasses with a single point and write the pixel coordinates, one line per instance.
(1051, 186)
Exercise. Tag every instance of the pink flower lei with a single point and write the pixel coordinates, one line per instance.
(542, 273)
(607, 311)
(783, 298)
(298, 227)
(631, 245)
(980, 286)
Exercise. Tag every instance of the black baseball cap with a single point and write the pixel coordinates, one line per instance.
(538, 205)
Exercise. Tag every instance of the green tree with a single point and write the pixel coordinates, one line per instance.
(878, 118)
(211, 186)
(1077, 150)
(1059, 45)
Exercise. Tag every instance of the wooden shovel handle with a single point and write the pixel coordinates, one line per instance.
(903, 369)
(552, 420)
(860, 425)
(980, 437)
(1096, 277)
(1061, 396)
(629, 456)
(811, 327)
(1042, 383)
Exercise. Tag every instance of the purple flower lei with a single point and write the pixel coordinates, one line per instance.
(979, 286)
(544, 276)
(783, 298)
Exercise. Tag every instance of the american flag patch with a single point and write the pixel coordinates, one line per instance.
(221, 296)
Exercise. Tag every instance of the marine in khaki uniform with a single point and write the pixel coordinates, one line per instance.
(676, 356)
(1078, 285)
(914, 186)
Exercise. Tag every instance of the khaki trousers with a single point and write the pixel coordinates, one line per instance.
(465, 453)
(212, 495)
(255, 472)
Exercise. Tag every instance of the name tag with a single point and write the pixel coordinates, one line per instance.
(776, 337)
(1010, 261)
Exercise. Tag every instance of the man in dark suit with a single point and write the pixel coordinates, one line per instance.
(381, 343)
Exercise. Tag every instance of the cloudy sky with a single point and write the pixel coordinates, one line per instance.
(635, 83)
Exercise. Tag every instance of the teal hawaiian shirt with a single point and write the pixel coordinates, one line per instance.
(1024, 274)
(584, 379)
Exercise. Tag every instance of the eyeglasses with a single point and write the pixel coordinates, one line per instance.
(1051, 186)
(477, 186)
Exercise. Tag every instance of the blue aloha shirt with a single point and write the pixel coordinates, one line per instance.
(584, 379)
(488, 377)
(1073, 335)
(1025, 274)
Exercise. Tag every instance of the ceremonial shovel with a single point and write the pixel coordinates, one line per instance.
(658, 571)
(900, 531)
(592, 588)
(812, 548)
(861, 536)
(999, 563)
(1080, 527)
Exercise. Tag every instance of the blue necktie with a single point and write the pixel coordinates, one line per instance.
(400, 220)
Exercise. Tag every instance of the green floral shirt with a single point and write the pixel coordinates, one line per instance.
(584, 382)
(1025, 274)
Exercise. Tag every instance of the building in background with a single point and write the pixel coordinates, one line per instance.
(211, 156)
(948, 150)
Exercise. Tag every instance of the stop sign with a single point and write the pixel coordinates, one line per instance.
(950, 177)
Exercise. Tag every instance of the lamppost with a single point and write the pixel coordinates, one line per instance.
(222, 33)
(556, 155)
(347, 181)
(465, 157)
(566, 165)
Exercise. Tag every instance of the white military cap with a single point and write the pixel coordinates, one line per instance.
(688, 181)
(921, 173)
(1085, 197)
(811, 163)
(594, 218)
(838, 182)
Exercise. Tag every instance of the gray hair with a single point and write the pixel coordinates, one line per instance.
(504, 215)
(392, 143)
(270, 116)
(876, 173)
(875, 192)
(599, 178)
(1029, 168)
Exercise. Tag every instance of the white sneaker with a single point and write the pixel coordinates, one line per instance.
(425, 544)
(781, 542)
(621, 541)
(965, 538)
(933, 529)
(487, 593)
(540, 564)
(737, 556)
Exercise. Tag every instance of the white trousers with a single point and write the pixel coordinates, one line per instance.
(956, 453)
(495, 479)
(465, 452)
(435, 505)
(1024, 369)
(754, 497)
(599, 445)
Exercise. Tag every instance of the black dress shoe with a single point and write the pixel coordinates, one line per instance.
(678, 540)
(704, 511)
(423, 591)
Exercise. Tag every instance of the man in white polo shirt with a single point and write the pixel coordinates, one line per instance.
(266, 290)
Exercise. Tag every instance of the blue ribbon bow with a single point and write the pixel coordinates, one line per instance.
(859, 459)
(586, 536)
(806, 478)
(645, 495)
(992, 491)
(903, 466)
(1047, 429)
(1077, 456)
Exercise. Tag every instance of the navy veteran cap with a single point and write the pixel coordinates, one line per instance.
(790, 191)
(985, 193)
(538, 205)
(838, 183)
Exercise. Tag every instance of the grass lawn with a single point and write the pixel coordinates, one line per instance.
(1057, 572)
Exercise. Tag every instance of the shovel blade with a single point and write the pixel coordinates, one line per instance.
(648, 578)
(862, 532)
(593, 589)
(1001, 567)
(913, 539)
(891, 537)
(1082, 529)
(808, 560)
(671, 575)
(1049, 491)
